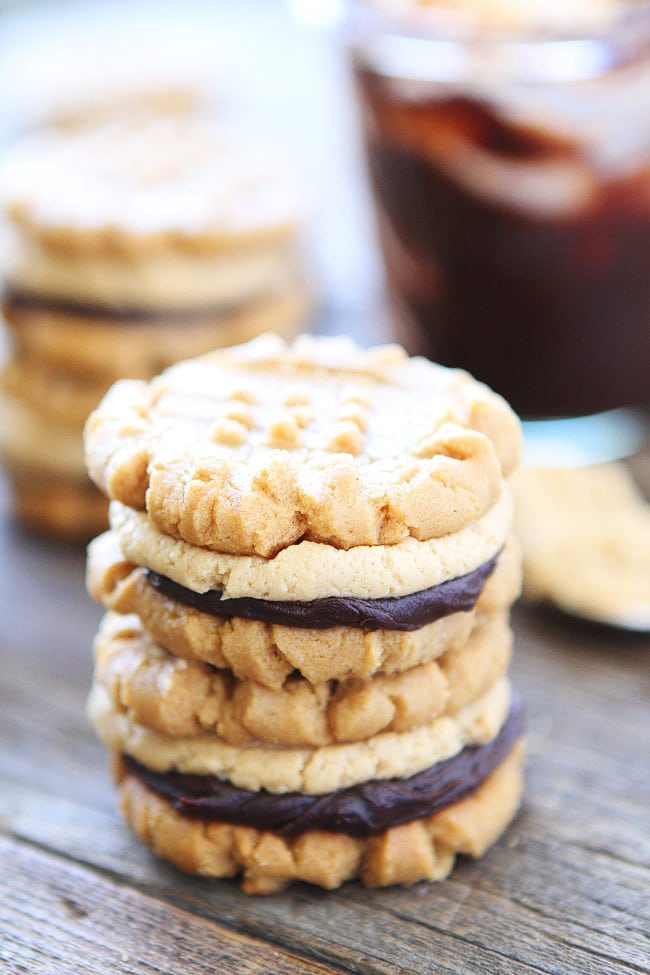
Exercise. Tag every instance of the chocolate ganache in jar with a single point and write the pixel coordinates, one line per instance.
(508, 146)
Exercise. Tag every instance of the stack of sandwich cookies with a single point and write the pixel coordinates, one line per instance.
(302, 672)
(112, 227)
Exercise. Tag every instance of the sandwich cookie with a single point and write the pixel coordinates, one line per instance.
(303, 670)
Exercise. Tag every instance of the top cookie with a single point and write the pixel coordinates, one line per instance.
(251, 449)
(147, 214)
(138, 187)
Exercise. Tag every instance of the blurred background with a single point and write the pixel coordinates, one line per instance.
(276, 67)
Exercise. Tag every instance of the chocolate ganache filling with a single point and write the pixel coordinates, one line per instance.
(360, 810)
(393, 613)
(18, 300)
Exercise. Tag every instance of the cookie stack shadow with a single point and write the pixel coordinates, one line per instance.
(302, 673)
(130, 245)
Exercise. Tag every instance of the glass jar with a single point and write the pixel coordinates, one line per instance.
(508, 147)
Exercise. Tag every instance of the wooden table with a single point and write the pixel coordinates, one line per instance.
(565, 891)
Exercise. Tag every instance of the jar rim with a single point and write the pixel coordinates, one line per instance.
(407, 47)
(505, 22)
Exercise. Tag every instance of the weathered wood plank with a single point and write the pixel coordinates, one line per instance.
(533, 919)
(46, 612)
(320, 922)
(57, 917)
(523, 902)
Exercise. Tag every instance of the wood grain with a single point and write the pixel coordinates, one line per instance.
(53, 911)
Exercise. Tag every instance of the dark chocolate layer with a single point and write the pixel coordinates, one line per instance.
(394, 613)
(360, 810)
(15, 299)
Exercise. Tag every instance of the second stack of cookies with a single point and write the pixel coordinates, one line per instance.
(131, 245)
(303, 668)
